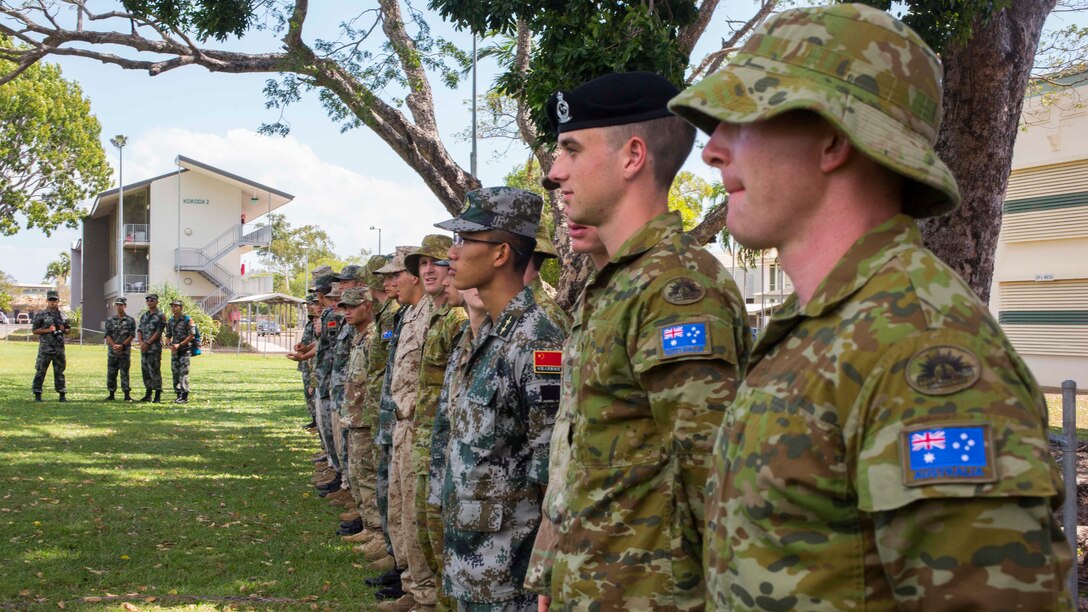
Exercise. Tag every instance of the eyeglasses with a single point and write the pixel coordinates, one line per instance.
(459, 241)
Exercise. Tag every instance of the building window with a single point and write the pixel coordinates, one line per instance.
(774, 277)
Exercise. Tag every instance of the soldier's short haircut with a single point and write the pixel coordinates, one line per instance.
(669, 140)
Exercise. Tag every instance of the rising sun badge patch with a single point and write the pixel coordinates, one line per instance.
(943, 370)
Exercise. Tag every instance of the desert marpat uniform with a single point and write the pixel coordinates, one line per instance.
(663, 349)
(177, 330)
(151, 359)
(824, 466)
(119, 329)
(442, 332)
(500, 430)
(50, 349)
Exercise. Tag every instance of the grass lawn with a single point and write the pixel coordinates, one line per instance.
(207, 506)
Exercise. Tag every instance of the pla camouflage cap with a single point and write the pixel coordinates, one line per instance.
(311, 298)
(51, 295)
(354, 296)
(498, 208)
(320, 271)
(397, 265)
(325, 283)
(121, 300)
(370, 276)
(352, 272)
(864, 71)
(435, 246)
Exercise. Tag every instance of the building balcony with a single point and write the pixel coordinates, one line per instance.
(137, 234)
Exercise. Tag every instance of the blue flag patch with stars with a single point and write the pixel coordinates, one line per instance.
(684, 339)
(387, 334)
(947, 454)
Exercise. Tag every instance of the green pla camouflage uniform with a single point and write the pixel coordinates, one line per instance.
(307, 366)
(341, 355)
(330, 323)
(152, 323)
(500, 430)
(120, 330)
(442, 334)
(177, 330)
(662, 352)
(539, 577)
(822, 497)
(50, 349)
(387, 418)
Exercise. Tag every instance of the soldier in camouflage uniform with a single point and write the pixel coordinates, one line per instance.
(49, 326)
(329, 326)
(429, 263)
(538, 578)
(663, 349)
(543, 293)
(337, 379)
(358, 306)
(179, 329)
(302, 353)
(417, 579)
(152, 324)
(888, 449)
(501, 425)
(120, 332)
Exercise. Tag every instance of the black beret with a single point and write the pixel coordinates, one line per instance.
(613, 99)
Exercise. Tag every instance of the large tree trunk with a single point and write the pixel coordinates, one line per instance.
(984, 85)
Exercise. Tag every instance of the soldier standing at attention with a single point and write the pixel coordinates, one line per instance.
(179, 329)
(501, 425)
(888, 449)
(120, 332)
(152, 324)
(302, 352)
(337, 379)
(358, 305)
(49, 326)
(663, 349)
(326, 341)
(429, 263)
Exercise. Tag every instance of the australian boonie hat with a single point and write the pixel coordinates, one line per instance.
(370, 277)
(498, 208)
(397, 264)
(859, 68)
(435, 246)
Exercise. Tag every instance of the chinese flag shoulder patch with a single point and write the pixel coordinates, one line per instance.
(547, 362)
(331, 324)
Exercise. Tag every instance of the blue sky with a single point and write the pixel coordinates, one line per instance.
(344, 182)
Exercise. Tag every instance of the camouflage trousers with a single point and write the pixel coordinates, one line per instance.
(340, 444)
(59, 363)
(417, 579)
(324, 429)
(362, 473)
(151, 367)
(381, 489)
(179, 370)
(310, 406)
(118, 362)
(429, 525)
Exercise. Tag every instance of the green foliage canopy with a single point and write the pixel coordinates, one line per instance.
(50, 154)
(7, 286)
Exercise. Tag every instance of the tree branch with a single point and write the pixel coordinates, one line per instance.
(420, 101)
(712, 224)
(713, 61)
(691, 33)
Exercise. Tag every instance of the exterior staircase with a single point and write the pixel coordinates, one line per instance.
(205, 261)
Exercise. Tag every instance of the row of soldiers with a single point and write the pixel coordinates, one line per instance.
(121, 331)
(881, 447)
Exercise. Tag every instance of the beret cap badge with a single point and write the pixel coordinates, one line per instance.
(562, 109)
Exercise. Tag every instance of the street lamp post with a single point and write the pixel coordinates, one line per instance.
(120, 141)
(379, 238)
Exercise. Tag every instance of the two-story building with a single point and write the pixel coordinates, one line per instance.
(1040, 285)
(188, 227)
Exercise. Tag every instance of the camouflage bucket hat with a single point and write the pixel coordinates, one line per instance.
(354, 296)
(544, 244)
(859, 68)
(503, 208)
(397, 265)
(370, 276)
(434, 245)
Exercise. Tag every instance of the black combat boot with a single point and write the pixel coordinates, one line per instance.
(109, 398)
(183, 398)
(128, 398)
(158, 397)
(62, 398)
(37, 397)
(147, 396)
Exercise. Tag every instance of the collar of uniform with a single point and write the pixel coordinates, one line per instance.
(510, 315)
(860, 263)
(657, 230)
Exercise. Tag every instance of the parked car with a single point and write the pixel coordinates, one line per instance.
(268, 328)
(3, 319)
(24, 317)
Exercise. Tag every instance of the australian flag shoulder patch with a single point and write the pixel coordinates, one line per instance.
(387, 335)
(684, 339)
(947, 454)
